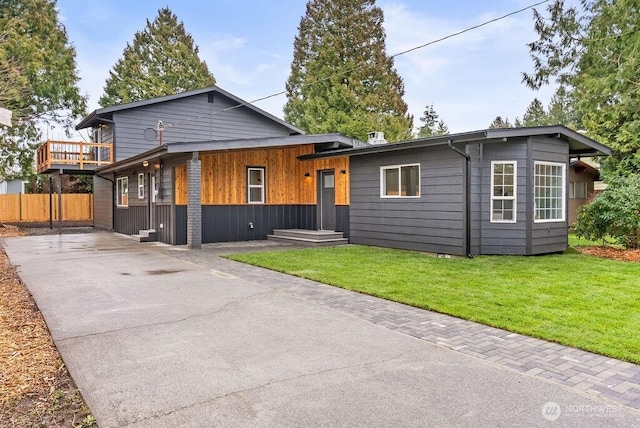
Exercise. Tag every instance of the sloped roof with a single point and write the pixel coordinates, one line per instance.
(579, 145)
(322, 142)
(97, 116)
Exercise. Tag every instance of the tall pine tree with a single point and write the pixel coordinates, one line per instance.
(591, 48)
(535, 115)
(162, 60)
(342, 79)
(38, 82)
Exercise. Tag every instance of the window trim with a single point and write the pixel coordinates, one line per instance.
(563, 192)
(141, 185)
(572, 189)
(120, 193)
(399, 195)
(263, 186)
(504, 198)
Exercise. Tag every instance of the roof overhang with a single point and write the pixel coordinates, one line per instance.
(579, 145)
(320, 141)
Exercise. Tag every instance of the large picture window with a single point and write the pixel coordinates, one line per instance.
(549, 191)
(400, 181)
(122, 188)
(255, 185)
(504, 191)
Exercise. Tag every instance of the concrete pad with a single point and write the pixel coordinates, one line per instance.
(159, 337)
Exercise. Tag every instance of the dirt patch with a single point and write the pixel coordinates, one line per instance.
(35, 386)
(611, 253)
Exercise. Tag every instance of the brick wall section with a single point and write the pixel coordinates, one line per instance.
(194, 207)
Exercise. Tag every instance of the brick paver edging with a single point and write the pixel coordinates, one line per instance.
(605, 377)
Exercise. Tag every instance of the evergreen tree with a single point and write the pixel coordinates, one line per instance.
(162, 60)
(592, 50)
(535, 115)
(562, 109)
(430, 124)
(38, 80)
(341, 78)
(498, 122)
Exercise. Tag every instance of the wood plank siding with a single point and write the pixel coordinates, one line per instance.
(224, 176)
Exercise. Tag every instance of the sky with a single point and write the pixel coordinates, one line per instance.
(248, 46)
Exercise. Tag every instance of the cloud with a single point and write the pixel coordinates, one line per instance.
(470, 78)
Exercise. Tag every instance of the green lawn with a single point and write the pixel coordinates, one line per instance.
(569, 298)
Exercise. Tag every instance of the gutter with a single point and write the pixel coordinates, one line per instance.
(467, 195)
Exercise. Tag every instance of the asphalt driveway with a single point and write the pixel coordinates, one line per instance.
(160, 336)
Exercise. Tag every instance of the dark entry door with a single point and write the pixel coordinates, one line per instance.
(327, 200)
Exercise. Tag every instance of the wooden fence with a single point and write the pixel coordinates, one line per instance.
(35, 207)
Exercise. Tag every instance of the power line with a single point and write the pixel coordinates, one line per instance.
(422, 46)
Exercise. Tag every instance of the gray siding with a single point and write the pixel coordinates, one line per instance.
(190, 119)
(433, 222)
(500, 238)
(549, 237)
(102, 203)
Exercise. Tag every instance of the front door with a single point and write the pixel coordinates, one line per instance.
(326, 200)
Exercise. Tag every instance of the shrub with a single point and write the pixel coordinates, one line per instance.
(615, 213)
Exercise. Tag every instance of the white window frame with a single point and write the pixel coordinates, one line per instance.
(120, 193)
(141, 185)
(513, 198)
(256, 186)
(563, 193)
(399, 169)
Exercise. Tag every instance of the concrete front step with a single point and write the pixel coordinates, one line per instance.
(308, 237)
(309, 242)
(148, 235)
(314, 235)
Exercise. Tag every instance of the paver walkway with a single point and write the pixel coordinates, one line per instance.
(606, 377)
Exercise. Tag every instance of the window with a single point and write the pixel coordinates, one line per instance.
(400, 181)
(141, 186)
(255, 185)
(549, 191)
(504, 191)
(123, 191)
(578, 190)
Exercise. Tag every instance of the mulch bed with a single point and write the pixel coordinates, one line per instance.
(611, 253)
(35, 387)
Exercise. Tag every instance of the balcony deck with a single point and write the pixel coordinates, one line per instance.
(73, 157)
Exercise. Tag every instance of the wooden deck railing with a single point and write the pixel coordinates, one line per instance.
(73, 155)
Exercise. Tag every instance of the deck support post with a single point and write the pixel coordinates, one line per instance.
(60, 202)
(50, 202)
(194, 203)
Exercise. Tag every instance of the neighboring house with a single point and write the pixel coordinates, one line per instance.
(220, 170)
(497, 191)
(582, 178)
(11, 187)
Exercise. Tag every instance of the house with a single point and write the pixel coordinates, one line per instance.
(8, 187)
(496, 191)
(205, 166)
(582, 179)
